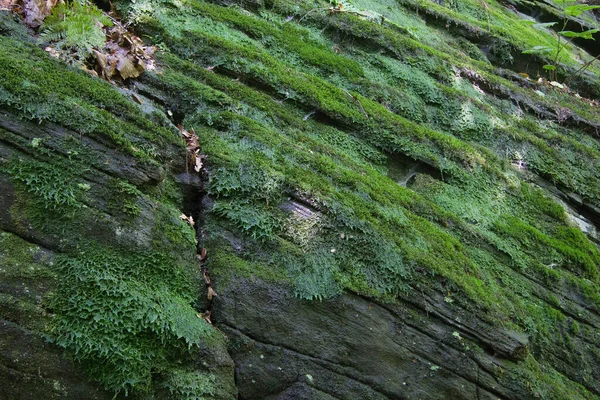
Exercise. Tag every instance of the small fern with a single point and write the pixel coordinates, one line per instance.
(77, 26)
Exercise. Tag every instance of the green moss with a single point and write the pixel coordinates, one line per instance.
(309, 110)
(125, 198)
(581, 256)
(125, 316)
(289, 36)
(225, 265)
(35, 85)
(24, 265)
(21, 259)
(10, 26)
(190, 384)
(53, 184)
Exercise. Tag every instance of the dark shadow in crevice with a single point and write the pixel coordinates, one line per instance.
(403, 169)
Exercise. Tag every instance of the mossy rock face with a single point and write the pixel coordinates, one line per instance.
(94, 182)
(390, 208)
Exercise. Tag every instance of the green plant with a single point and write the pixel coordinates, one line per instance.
(190, 385)
(568, 11)
(128, 316)
(55, 186)
(253, 220)
(129, 198)
(76, 25)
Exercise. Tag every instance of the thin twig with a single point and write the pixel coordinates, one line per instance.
(314, 9)
(487, 13)
(358, 101)
(583, 68)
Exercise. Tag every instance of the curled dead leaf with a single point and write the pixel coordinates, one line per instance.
(137, 98)
(127, 68)
(192, 147)
(211, 293)
(36, 10)
(205, 316)
(187, 219)
(206, 277)
(52, 51)
(198, 164)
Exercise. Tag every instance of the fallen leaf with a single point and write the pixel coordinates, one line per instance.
(203, 254)
(52, 51)
(127, 69)
(100, 59)
(206, 277)
(211, 293)
(35, 12)
(150, 65)
(206, 316)
(6, 4)
(198, 164)
(137, 98)
(187, 219)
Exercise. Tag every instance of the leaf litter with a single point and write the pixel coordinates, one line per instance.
(122, 55)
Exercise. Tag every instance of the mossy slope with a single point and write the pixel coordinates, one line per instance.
(90, 179)
(300, 107)
(316, 120)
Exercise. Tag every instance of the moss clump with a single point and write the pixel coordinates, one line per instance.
(127, 317)
(125, 198)
(21, 259)
(51, 183)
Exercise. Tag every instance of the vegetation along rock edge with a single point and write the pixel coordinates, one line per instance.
(272, 199)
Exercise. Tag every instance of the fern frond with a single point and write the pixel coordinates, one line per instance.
(76, 25)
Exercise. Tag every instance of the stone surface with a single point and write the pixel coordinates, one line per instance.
(388, 209)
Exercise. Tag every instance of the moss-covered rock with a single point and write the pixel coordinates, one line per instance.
(387, 205)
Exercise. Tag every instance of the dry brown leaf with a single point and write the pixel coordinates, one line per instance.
(187, 219)
(101, 59)
(203, 254)
(6, 4)
(52, 51)
(127, 69)
(193, 148)
(206, 316)
(211, 293)
(206, 277)
(35, 12)
(137, 98)
(198, 164)
(192, 143)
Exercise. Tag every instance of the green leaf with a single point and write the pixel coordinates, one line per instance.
(577, 9)
(539, 50)
(549, 67)
(584, 35)
(544, 25)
